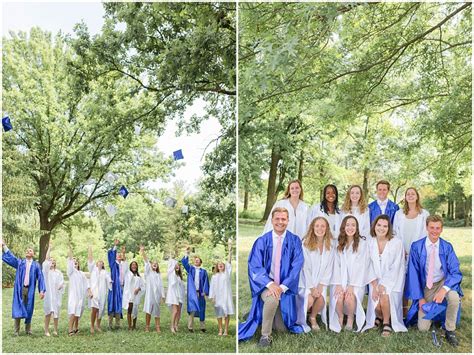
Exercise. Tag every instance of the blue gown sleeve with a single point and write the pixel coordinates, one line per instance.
(296, 262)
(258, 275)
(454, 276)
(185, 261)
(205, 283)
(413, 288)
(112, 256)
(10, 259)
(40, 277)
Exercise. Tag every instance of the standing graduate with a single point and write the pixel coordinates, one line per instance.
(78, 290)
(386, 291)
(353, 270)
(54, 282)
(316, 274)
(133, 289)
(221, 292)
(175, 293)
(328, 209)
(382, 205)
(355, 205)
(118, 266)
(154, 292)
(297, 209)
(434, 276)
(274, 267)
(198, 288)
(100, 284)
(28, 272)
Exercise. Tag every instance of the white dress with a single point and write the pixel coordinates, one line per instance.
(78, 285)
(100, 283)
(176, 292)
(221, 290)
(334, 220)
(362, 218)
(399, 228)
(131, 283)
(297, 218)
(317, 269)
(351, 269)
(154, 293)
(53, 296)
(389, 269)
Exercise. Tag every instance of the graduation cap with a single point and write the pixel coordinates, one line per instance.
(184, 209)
(138, 129)
(123, 191)
(7, 125)
(170, 202)
(178, 154)
(103, 160)
(91, 181)
(433, 309)
(110, 177)
(111, 210)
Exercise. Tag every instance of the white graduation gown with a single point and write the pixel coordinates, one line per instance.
(78, 285)
(154, 293)
(100, 283)
(334, 221)
(351, 269)
(389, 270)
(131, 283)
(53, 296)
(317, 269)
(297, 218)
(362, 218)
(398, 228)
(176, 292)
(221, 290)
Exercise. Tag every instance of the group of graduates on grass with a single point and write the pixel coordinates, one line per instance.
(323, 260)
(119, 290)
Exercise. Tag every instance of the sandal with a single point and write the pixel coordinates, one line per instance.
(71, 333)
(314, 324)
(387, 330)
(378, 322)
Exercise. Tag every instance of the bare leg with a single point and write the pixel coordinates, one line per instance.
(385, 305)
(219, 324)
(76, 324)
(134, 322)
(71, 324)
(47, 318)
(99, 329)
(405, 307)
(93, 317)
(117, 320)
(351, 305)
(178, 316)
(340, 309)
(147, 322)
(157, 325)
(56, 326)
(129, 315)
(174, 311)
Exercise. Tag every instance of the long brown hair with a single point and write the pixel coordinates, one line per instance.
(179, 272)
(311, 240)
(347, 206)
(418, 205)
(287, 191)
(385, 218)
(342, 240)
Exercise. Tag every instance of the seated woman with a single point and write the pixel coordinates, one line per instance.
(352, 272)
(388, 260)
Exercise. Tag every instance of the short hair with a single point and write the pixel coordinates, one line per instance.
(197, 257)
(287, 191)
(383, 182)
(434, 218)
(280, 209)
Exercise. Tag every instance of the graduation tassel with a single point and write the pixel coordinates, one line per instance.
(434, 337)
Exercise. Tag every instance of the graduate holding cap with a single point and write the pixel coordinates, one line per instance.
(434, 276)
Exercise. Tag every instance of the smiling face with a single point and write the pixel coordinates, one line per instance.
(53, 264)
(280, 222)
(355, 195)
(220, 266)
(411, 196)
(176, 267)
(154, 266)
(119, 257)
(100, 264)
(76, 264)
(295, 190)
(351, 227)
(197, 261)
(134, 266)
(29, 253)
(330, 195)
(434, 230)
(382, 192)
(320, 228)
(381, 228)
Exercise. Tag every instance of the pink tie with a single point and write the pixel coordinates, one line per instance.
(276, 274)
(27, 275)
(121, 273)
(431, 262)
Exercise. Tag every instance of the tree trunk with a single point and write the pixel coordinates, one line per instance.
(45, 230)
(300, 167)
(365, 183)
(450, 209)
(271, 189)
(460, 207)
(246, 200)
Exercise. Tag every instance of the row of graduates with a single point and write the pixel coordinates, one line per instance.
(311, 268)
(121, 289)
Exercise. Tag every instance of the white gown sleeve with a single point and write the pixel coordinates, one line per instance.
(328, 270)
(396, 268)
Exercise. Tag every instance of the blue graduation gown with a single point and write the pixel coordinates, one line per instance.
(114, 302)
(196, 304)
(19, 309)
(416, 276)
(260, 261)
(390, 210)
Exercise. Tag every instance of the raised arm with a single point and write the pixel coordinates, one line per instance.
(90, 257)
(185, 260)
(47, 257)
(229, 259)
(8, 256)
(69, 253)
(142, 252)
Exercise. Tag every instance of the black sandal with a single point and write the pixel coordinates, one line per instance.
(387, 330)
(378, 322)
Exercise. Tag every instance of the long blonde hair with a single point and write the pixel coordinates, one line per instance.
(287, 191)
(311, 240)
(418, 205)
(362, 204)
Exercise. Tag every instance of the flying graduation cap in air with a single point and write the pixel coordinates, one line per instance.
(178, 154)
(170, 202)
(110, 177)
(123, 191)
(111, 210)
(6, 123)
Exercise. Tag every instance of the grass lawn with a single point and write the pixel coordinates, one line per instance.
(371, 341)
(116, 341)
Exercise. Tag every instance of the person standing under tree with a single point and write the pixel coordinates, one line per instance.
(382, 205)
(117, 272)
